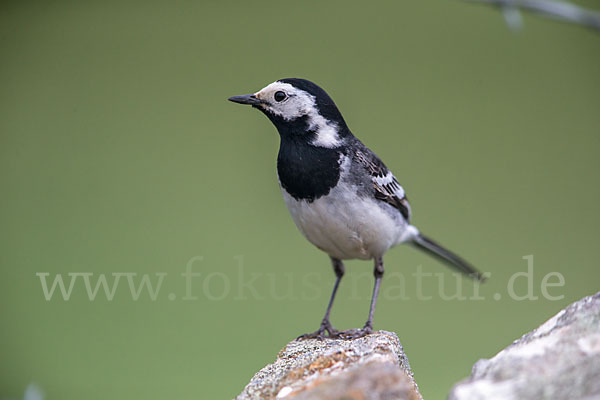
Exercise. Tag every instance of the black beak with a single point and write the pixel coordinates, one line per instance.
(245, 99)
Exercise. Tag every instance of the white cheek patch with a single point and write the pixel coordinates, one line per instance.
(299, 104)
(326, 131)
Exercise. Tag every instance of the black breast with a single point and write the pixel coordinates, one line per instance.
(307, 172)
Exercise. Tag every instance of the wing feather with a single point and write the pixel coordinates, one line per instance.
(386, 185)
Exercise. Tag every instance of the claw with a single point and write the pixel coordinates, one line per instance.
(353, 333)
(320, 333)
(315, 335)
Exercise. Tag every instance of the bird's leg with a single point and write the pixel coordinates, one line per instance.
(338, 268)
(378, 273)
(368, 328)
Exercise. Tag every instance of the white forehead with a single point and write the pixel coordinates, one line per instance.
(297, 104)
(276, 86)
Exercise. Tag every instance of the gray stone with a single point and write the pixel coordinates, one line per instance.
(369, 368)
(559, 360)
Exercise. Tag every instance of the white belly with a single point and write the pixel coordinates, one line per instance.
(347, 226)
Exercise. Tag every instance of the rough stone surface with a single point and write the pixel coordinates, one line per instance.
(559, 360)
(369, 368)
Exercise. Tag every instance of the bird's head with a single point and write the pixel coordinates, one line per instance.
(300, 110)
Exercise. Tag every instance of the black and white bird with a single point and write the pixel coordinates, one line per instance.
(340, 194)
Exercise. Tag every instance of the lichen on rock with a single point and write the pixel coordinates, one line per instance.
(370, 368)
(559, 360)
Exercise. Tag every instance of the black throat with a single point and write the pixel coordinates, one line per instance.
(305, 171)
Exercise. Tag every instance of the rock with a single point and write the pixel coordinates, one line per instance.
(369, 368)
(559, 360)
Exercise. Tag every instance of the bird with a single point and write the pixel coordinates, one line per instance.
(340, 195)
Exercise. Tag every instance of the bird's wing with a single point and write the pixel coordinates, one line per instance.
(384, 182)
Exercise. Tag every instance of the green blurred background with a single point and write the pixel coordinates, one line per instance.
(120, 153)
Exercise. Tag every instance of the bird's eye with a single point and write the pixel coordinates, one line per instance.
(279, 96)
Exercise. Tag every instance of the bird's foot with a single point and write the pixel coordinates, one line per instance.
(350, 334)
(320, 333)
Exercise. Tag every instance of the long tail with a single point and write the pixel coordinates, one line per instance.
(446, 256)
